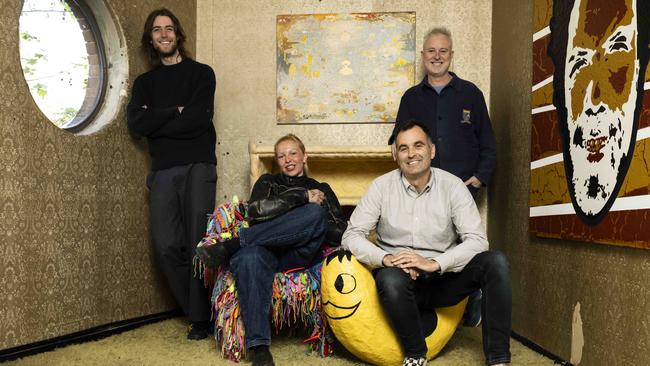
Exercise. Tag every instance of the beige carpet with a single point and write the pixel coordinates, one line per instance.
(164, 343)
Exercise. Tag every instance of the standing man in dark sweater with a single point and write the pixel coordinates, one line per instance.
(172, 106)
(455, 113)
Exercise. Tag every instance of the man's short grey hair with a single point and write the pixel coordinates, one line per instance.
(439, 30)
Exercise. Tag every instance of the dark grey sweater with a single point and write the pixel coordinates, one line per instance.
(175, 138)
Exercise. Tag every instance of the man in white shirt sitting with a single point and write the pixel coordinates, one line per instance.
(431, 251)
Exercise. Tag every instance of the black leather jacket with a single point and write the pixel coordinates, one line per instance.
(276, 194)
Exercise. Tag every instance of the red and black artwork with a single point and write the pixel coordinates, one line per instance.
(590, 151)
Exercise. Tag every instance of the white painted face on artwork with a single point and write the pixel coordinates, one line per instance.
(601, 74)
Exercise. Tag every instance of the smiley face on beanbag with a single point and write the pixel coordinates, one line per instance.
(353, 311)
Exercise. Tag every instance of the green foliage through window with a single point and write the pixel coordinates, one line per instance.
(54, 58)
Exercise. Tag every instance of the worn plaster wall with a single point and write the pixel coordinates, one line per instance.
(75, 250)
(238, 40)
(550, 277)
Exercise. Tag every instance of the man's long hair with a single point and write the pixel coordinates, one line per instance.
(146, 43)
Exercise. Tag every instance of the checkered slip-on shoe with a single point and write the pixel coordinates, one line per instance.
(410, 361)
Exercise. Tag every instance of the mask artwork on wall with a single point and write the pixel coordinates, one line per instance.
(590, 148)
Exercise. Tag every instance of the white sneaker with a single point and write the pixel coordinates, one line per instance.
(410, 361)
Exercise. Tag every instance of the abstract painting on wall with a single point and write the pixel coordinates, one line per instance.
(590, 148)
(343, 68)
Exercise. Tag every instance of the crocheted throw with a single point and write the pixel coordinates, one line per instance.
(227, 220)
(296, 301)
(296, 293)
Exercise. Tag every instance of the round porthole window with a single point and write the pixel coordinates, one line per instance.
(66, 61)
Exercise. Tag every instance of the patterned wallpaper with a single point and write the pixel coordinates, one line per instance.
(243, 57)
(75, 250)
(550, 277)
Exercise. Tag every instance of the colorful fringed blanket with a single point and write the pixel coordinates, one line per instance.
(296, 293)
(225, 223)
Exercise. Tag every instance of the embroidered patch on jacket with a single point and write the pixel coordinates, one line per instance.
(466, 116)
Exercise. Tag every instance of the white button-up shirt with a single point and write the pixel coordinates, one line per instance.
(428, 223)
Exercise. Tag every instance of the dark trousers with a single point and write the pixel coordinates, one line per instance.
(403, 299)
(286, 242)
(180, 200)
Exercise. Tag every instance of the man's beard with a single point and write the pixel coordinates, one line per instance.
(596, 161)
(171, 52)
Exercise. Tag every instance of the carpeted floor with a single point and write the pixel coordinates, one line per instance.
(164, 343)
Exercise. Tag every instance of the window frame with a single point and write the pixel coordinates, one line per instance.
(85, 115)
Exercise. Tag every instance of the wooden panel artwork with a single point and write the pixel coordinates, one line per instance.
(590, 152)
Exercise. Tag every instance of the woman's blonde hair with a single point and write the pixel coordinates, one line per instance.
(289, 137)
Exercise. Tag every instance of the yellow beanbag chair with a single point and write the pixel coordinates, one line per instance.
(351, 305)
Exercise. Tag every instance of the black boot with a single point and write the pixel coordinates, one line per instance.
(199, 330)
(262, 356)
(218, 254)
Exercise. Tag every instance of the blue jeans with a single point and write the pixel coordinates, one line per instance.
(289, 241)
(403, 299)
